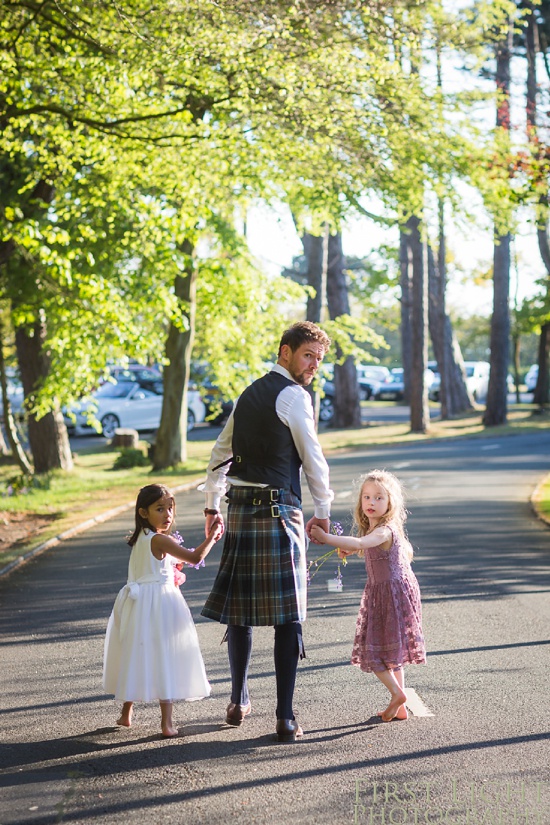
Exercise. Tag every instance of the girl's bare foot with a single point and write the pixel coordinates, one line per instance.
(167, 732)
(125, 718)
(397, 702)
(402, 713)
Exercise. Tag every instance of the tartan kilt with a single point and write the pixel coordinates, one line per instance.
(262, 575)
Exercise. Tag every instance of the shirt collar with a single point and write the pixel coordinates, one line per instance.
(282, 371)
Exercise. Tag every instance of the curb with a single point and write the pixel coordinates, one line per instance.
(85, 525)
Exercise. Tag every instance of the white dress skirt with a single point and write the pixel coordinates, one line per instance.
(151, 645)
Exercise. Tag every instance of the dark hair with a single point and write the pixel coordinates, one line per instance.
(304, 332)
(147, 496)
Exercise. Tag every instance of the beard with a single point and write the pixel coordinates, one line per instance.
(304, 379)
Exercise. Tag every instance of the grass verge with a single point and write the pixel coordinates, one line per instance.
(68, 499)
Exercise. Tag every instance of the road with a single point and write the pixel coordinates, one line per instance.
(483, 563)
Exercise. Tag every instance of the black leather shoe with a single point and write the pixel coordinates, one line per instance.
(288, 729)
(236, 713)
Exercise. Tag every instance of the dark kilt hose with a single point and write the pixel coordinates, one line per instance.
(262, 578)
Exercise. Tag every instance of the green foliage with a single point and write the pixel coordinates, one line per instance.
(130, 457)
(128, 130)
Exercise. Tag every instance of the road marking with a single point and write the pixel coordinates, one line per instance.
(415, 704)
(402, 464)
(344, 494)
(491, 447)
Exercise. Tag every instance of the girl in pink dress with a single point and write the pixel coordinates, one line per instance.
(389, 626)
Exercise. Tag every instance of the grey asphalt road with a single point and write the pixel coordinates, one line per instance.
(483, 563)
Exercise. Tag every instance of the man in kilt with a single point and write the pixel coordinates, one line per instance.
(257, 461)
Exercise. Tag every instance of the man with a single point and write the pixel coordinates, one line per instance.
(268, 440)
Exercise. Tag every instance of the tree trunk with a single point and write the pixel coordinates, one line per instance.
(314, 250)
(347, 408)
(453, 392)
(9, 422)
(497, 393)
(420, 413)
(171, 441)
(48, 439)
(541, 394)
(406, 275)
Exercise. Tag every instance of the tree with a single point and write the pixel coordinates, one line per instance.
(496, 409)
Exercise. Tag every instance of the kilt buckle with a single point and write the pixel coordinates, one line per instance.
(274, 495)
(274, 511)
(256, 502)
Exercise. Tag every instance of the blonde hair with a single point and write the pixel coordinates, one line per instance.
(396, 514)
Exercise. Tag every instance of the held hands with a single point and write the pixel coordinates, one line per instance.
(214, 527)
(317, 533)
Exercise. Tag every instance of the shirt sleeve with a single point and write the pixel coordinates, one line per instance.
(295, 409)
(215, 485)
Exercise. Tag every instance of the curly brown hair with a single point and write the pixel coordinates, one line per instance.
(304, 332)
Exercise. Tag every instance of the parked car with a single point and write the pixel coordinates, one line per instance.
(128, 404)
(370, 378)
(394, 388)
(531, 377)
(147, 377)
(477, 380)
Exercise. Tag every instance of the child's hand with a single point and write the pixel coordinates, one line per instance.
(216, 529)
(318, 534)
(343, 554)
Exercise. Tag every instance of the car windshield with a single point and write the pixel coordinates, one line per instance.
(119, 390)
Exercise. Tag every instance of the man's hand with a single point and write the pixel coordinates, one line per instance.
(212, 522)
(324, 524)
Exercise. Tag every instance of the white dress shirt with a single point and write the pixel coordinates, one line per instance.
(295, 410)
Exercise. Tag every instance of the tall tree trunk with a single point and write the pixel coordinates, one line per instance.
(454, 395)
(48, 437)
(171, 439)
(9, 422)
(316, 252)
(497, 393)
(406, 276)
(347, 408)
(541, 394)
(420, 413)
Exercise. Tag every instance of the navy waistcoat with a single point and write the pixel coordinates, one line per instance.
(263, 447)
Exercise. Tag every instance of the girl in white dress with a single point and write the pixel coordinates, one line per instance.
(151, 646)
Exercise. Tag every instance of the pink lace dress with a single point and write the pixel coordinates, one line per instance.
(389, 625)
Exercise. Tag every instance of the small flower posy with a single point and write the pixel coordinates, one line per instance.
(179, 577)
(315, 565)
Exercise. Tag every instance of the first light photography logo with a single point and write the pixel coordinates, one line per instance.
(458, 803)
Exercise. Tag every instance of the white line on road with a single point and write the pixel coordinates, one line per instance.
(415, 704)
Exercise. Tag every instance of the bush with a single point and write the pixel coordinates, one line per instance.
(130, 457)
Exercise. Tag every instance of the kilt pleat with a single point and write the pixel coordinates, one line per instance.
(262, 575)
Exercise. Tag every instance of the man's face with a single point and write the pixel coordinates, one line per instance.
(304, 362)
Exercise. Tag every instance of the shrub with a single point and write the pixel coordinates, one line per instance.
(130, 457)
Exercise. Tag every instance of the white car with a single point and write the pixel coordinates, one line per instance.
(531, 377)
(128, 404)
(477, 380)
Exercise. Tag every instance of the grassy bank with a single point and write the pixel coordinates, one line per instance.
(64, 500)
